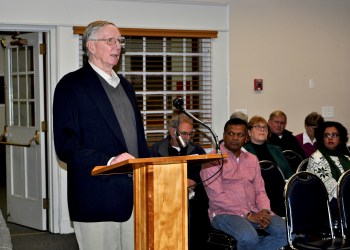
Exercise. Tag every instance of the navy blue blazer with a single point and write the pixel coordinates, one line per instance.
(87, 134)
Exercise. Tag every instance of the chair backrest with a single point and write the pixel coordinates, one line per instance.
(344, 202)
(307, 207)
(303, 165)
(274, 185)
(293, 159)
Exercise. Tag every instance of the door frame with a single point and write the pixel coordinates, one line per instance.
(53, 171)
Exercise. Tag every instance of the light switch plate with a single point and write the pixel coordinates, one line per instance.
(328, 111)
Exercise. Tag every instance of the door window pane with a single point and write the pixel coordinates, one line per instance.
(23, 114)
(22, 64)
(22, 87)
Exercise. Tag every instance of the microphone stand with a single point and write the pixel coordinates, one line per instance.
(183, 110)
(178, 103)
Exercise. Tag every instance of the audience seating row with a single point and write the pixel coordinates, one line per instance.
(309, 222)
(308, 217)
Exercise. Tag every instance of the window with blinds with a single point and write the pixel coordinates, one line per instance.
(163, 68)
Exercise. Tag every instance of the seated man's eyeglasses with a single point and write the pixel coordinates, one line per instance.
(282, 123)
(190, 134)
(112, 41)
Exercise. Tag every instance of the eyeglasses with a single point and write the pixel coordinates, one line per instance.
(263, 128)
(186, 134)
(279, 123)
(112, 41)
(239, 135)
(329, 136)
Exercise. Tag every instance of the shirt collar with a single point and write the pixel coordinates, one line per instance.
(306, 139)
(244, 150)
(224, 149)
(113, 80)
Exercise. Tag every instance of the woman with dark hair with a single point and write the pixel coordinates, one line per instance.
(330, 160)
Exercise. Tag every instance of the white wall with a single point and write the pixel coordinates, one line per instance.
(287, 43)
(284, 42)
(62, 15)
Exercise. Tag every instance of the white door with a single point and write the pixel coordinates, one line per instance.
(25, 137)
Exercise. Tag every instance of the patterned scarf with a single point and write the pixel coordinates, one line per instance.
(344, 161)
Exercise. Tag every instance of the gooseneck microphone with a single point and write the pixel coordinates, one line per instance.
(179, 139)
(178, 103)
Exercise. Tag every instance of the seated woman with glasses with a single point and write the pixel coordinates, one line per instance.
(257, 145)
(330, 160)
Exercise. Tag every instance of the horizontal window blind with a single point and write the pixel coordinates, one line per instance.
(163, 68)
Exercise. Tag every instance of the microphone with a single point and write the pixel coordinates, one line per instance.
(178, 103)
(179, 139)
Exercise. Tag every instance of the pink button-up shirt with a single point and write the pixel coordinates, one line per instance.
(238, 188)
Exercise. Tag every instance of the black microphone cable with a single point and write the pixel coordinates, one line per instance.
(178, 103)
(213, 175)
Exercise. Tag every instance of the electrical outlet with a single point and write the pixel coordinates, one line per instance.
(328, 111)
(312, 83)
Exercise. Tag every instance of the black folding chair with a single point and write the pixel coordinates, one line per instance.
(293, 159)
(219, 240)
(344, 203)
(309, 222)
(274, 186)
(303, 165)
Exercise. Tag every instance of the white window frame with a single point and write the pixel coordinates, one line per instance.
(203, 109)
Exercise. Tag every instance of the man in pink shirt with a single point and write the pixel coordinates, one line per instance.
(238, 204)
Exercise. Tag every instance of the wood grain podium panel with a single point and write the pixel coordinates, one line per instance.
(160, 198)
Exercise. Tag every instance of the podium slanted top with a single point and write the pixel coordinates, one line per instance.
(127, 166)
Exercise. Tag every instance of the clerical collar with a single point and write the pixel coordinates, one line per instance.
(113, 80)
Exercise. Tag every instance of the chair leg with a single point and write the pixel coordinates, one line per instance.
(219, 240)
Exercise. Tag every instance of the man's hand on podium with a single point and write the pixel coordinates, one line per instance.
(121, 157)
(190, 183)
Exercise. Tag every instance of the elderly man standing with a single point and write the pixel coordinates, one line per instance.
(238, 204)
(96, 122)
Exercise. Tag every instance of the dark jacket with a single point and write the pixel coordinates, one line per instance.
(287, 142)
(164, 148)
(87, 134)
(277, 156)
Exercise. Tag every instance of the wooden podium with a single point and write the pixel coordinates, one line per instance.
(160, 198)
